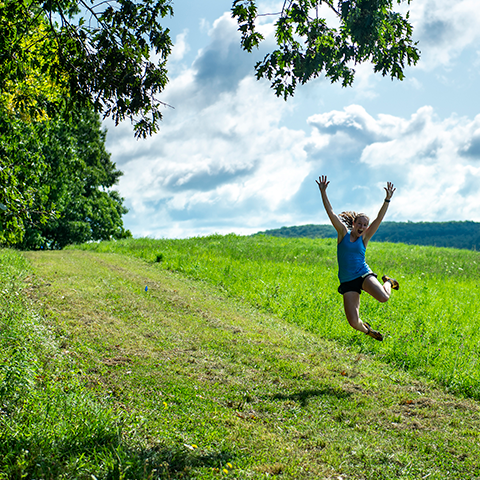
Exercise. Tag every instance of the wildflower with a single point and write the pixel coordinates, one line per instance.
(190, 447)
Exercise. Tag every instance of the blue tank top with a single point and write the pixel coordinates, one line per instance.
(351, 259)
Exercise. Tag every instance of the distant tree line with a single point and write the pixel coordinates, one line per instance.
(440, 234)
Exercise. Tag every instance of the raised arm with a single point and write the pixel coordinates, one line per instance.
(336, 222)
(389, 189)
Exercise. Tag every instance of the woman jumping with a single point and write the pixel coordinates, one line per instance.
(354, 233)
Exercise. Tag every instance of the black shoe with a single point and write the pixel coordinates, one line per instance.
(373, 333)
(394, 283)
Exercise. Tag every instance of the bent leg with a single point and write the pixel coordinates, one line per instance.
(378, 291)
(351, 303)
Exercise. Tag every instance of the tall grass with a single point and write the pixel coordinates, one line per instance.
(431, 324)
(51, 424)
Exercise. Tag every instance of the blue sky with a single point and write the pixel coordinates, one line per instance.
(231, 157)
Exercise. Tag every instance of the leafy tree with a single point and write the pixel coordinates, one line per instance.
(93, 53)
(23, 196)
(100, 51)
(369, 30)
(80, 175)
(25, 94)
(55, 175)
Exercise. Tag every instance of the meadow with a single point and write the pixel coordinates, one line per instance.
(431, 325)
(230, 357)
(49, 418)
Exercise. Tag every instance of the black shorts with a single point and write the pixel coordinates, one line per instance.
(354, 285)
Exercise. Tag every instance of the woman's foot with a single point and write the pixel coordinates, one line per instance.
(392, 281)
(373, 333)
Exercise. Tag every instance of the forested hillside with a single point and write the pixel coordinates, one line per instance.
(440, 234)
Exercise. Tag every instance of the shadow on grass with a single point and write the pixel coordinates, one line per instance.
(181, 461)
(304, 396)
(112, 461)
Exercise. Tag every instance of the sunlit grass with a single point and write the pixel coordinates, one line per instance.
(52, 425)
(431, 324)
(185, 381)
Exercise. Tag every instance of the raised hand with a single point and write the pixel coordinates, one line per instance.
(322, 183)
(390, 189)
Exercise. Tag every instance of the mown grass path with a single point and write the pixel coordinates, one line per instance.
(221, 390)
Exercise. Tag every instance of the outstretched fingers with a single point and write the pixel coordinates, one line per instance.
(322, 182)
(390, 190)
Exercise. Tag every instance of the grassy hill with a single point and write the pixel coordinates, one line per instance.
(229, 357)
(439, 234)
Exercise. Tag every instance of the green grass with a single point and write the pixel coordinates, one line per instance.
(46, 414)
(431, 323)
(204, 379)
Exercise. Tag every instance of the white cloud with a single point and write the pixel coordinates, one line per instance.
(444, 29)
(434, 163)
(180, 47)
(221, 160)
(225, 161)
(249, 173)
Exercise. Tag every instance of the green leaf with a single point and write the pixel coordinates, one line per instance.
(369, 30)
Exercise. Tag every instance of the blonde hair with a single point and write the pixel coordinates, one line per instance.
(349, 218)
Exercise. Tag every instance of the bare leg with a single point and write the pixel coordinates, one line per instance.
(378, 291)
(351, 303)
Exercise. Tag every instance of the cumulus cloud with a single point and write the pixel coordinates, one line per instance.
(180, 47)
(434, 163)
(224, 161)
(444, 29)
